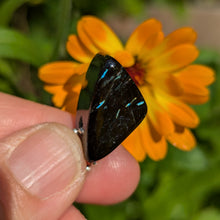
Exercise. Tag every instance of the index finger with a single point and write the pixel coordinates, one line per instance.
(17, 113)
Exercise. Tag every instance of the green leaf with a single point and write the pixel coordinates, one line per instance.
(194, 160)
(15, 45)
(63, 25)
(179, 195)
(209, 213)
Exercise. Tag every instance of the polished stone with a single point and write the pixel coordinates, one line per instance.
(116, 109)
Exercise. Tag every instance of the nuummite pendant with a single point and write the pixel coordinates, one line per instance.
(116, 109)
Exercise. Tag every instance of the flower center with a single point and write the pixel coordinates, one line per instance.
(136, 72)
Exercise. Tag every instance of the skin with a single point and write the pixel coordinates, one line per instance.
(111, 180)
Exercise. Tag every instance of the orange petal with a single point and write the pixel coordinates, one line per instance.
(173, 85)
(182, 138)
(174, 59)
(135, 145)
(165, 82)
(145, 37)
(146, 54)
(77, 50)
(146, 140)
(184, 35)
(182, 114)
(162, 123)
(194, 90)
(59, 94)
(155, 144)
(81, 69)
(124, 58)
(57, 72)
(199, 74)
(158, 116)
(71, 102)
(195, 99)
(97, 36)
(75, 83)
(72, 85)
(181, 36)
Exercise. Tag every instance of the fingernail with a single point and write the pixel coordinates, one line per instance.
(47, 161)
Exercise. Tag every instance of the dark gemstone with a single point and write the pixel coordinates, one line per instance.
(116, 109)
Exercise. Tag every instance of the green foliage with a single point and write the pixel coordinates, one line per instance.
(185, 185)
(15, 45)
(100, 7)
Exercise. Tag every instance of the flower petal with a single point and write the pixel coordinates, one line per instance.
(97, 36)
(174, 59)
(182, 138)
(184, 35)
(182, 114)
(155, 144)
(134, 144)
(195, 99)
(75, 83)
(144, 139)
(71, 102)
(192, 87)
(179, 112)
(173, 86)
(193, 84)
(165, 82)
(77, 50)
(72, 86)
(124, 58)
(179, 37)
(58, 72)
(158, 116)
(145, 37)
(163, 123)
(59, 94)
(199, 74)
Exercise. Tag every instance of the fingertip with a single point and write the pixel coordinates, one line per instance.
(112, 179)
(13, 109)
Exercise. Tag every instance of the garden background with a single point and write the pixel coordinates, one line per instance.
(183, 186)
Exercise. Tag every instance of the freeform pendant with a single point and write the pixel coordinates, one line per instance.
(117, 108)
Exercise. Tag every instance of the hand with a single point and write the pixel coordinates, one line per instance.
(43, 170)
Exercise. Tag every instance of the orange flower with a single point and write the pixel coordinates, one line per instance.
(161, 68)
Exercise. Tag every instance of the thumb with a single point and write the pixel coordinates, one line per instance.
(42, 170)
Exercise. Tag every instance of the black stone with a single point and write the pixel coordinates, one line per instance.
(116, 109)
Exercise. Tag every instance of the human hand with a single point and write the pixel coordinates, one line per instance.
(42, 168)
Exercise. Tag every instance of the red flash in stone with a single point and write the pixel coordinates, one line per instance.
(136, 72)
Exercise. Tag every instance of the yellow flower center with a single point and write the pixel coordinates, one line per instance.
(137, 73)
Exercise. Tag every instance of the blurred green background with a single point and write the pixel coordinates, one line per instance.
(183, 186)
